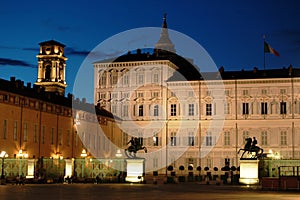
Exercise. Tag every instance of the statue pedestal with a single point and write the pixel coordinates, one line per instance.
(249, 171)
(135, 168)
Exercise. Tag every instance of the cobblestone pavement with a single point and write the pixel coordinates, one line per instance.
(140, 191)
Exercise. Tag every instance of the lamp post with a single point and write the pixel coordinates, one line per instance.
(21, 155)
(83, 155)
(3, 155)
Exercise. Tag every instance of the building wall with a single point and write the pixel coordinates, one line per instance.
(46, 129)
(217, 135)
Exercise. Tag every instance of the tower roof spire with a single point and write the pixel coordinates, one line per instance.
(164, 25)
(164, 42)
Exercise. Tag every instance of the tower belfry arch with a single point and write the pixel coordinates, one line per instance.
(52, 67)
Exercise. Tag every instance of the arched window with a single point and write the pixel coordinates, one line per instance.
(48, 73)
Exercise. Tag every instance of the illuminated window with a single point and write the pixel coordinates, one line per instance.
(15, 130)
(155, 141)
(173, 139)
(25, 131)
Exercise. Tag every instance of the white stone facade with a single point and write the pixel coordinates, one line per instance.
(199, 123)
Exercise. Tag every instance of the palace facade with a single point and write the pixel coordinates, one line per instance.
(191, 119)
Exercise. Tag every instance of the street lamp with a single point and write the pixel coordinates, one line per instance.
(3, 155)
(83, 155)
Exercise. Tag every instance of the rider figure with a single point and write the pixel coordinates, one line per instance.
(248, 143)
(254, 143)
(132, 142)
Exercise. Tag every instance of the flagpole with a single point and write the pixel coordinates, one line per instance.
(264, 37)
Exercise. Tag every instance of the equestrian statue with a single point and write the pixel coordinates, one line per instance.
(250, 147)
(134, 147)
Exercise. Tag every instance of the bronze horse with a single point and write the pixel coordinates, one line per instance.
(135, 146)
(249, 148)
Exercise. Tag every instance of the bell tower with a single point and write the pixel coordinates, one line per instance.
(52, 67)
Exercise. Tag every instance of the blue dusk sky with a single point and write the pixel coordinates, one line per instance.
(230, 31)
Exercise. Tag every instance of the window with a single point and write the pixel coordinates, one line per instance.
(283, 137)
(155, 94)
(227, 162)
(102, 95)
(68, 138)
(208, 109)
(264, 138)
(155, 111)
(264, 91)
(173, 139)
(35, 133)
(125, 95)
(191, 139)
(226, 108)
(114, 79)
(155, 78)
(283, 108)
(141, 110)
(114, 96)
(245, 108)
(25, 132)
(173, 109)
(125, 80)
(245, 136)
(52, 136)
(15, 130)
(155, 141)
(191, 109)
(227, 138)
(208, 139)
(140, 95)
(140, 140)
(264, 108)
(191, 93)
(5, 129)
(114, 109)
(103, 80)
(141, 79)
(60, 137)
(43, 135)
(125, 110)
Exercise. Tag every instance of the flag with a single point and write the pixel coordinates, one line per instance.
(269, 49)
